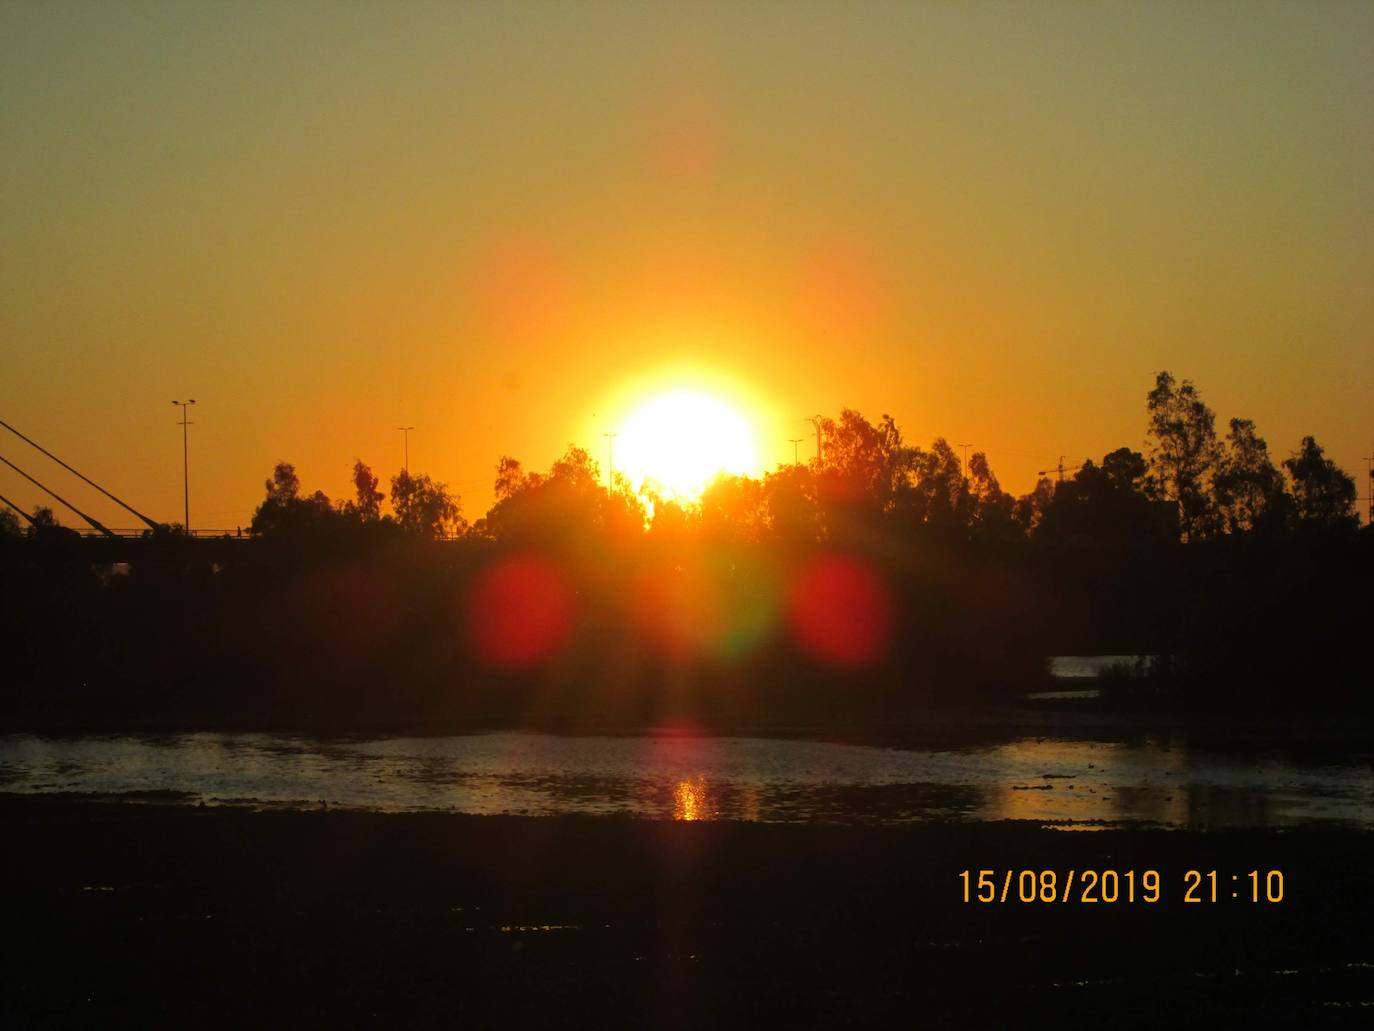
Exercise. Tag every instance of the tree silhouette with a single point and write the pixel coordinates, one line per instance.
(733, 510)
(1030, 509)
(789, 497)
(1105, 503)
(673, 522)
(567, 505)
(425, 508)
(329, 600)
(367, 503)
(865, 464)
(1323, 495)
(991, 508)
(283, 511)
(1248, 489)
(941, 494)
(1183, 451)
(509, 478)
(1127, 470)
(283, 485)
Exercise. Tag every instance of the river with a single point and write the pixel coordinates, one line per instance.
(1071, 783)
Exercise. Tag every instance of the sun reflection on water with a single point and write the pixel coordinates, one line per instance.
(1165, 782)
(691, 800)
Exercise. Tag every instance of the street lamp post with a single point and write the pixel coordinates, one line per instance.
(964, 467)
(796, 458)
(406, 430)
(610, 460)
(185, 465)
(817, 421)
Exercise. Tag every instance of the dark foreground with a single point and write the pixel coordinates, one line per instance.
(139, 915)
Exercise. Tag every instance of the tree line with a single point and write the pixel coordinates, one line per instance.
(860, 588)
(1190, 484)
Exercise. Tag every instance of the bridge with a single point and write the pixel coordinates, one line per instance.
(138, 532)
(119, 542)
(93, 528)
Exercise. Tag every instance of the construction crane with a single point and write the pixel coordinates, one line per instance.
(1061, 469)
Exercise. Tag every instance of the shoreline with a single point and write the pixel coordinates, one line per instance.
(949, 725)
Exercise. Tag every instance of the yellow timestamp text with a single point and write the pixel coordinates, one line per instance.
(1114, 886)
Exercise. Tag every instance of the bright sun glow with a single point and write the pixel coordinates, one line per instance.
(682, 441)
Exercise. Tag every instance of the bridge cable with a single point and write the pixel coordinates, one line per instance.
(12, 505)
(151, 524)
(94, 523)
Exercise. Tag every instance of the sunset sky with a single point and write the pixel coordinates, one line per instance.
(508, 224)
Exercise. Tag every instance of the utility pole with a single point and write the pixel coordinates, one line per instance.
(796, 459)
(965, 466)
(815, 421)
(1369, 489)
(185, 465)
(406, 430)
(610, 460)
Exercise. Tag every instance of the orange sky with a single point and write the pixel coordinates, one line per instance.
(499, 223)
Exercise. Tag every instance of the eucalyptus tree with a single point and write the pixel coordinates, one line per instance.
(1183, 452)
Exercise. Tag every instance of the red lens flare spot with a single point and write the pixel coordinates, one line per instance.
(840, 612)
(842, 292)
(520, 612)
(520, 288)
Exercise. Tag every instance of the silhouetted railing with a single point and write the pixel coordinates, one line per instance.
(237, 534)
(234, 534)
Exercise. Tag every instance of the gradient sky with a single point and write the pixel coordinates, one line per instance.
(503, 223)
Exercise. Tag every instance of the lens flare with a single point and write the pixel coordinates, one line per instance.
(709, 609)
(840, 612)
(520, 288)
(679, 610)
(520, 612)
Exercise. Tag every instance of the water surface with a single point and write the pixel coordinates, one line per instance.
(1163, 782)
(1085, 667)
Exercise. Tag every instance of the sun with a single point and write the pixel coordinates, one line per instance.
(681, 441)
